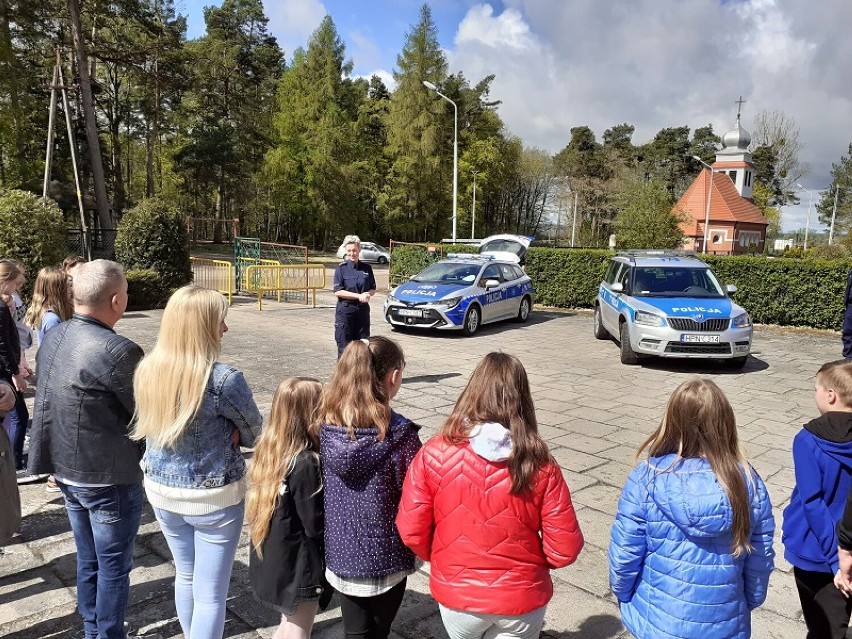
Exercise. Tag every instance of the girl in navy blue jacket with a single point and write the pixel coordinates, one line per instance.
(366, 449)
(691, 550)
(822, 457)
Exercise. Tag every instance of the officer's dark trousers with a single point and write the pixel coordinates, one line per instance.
(351, 322)
(847, 333)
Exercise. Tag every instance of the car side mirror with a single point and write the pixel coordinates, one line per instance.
(489, 284)
(618, 287)
(731, 289)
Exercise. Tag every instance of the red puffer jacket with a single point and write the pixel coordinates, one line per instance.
(491, 551)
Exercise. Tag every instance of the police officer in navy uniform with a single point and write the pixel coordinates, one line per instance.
(354, 285)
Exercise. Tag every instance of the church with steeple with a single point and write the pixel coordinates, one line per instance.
(721, 216)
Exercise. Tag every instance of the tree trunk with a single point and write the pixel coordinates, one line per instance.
(97, 166)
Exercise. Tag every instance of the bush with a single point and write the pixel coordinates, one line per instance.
(32, 231)
(566, 277)
(152, 235)
(145, 290)
(409, 259)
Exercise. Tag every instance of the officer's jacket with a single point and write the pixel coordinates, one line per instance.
(355, 278)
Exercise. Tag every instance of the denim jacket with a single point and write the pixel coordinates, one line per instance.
(205, 455)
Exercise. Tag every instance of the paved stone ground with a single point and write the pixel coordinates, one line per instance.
(592, 410)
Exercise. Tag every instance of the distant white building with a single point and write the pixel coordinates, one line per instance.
(782, 245)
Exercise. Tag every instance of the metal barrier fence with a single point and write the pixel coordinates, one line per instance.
(284, 277)
(215, 274)
(253, 249)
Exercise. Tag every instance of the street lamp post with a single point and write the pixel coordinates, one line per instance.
(707, 210)
(430, 85)
(473, 208)
(808, 219)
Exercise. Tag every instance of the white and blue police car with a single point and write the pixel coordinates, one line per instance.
(670, 304)
(462, 292)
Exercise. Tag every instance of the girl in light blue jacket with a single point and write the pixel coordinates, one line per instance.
(691, 548)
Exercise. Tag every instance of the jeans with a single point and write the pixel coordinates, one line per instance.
(371, 617)
(469, 625)
(15, 424)
(203, 547)
(105, 522)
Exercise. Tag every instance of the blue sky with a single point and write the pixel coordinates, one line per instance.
(650, 63)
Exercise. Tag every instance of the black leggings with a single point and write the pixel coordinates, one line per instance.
(371, 617)
(825, 609)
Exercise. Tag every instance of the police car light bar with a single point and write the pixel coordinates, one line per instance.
(471, 256)
(652, 252)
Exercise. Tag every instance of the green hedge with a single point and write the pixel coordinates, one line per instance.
(789, 292)
(410, 259)
(146, 290)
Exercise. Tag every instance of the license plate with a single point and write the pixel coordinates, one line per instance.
(700, 339)
(410, 312)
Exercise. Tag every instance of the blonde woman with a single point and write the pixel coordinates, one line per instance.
(284, 510)
(194, 414)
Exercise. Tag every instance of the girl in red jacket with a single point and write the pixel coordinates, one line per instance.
(488, 506)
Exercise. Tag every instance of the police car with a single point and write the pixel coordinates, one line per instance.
(462, 292)
(668, 304)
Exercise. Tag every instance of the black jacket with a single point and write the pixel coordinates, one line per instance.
(10, 345)
(292, 569)
(84, 404)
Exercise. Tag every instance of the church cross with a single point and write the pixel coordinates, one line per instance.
(739, 104)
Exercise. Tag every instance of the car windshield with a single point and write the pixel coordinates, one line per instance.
(504, 246)
(653, 281)
(449, 273)
(380, 249)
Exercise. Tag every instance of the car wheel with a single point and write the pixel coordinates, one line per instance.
(628, 355)
(471, 320)
(524, 309)
(600, 330)
(382, 259)
(736, 363)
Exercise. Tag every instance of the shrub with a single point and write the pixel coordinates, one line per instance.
(31, 230)
(145, 289)
(409, 259)
(566, 277)
(152, 235)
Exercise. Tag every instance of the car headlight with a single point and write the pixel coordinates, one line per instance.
(450, 302)
(648, 319)
(741, 321)
(391, 297)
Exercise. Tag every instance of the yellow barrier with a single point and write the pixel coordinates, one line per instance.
(285, 277)
(215, 274)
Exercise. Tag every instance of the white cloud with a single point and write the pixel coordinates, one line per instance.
(662, 63)
(293, 22)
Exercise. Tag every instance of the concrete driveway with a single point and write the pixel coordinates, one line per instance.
(592, 410)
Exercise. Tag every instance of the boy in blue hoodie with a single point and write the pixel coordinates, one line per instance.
(822, 457)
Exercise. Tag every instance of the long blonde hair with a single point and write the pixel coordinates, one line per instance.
(287, 434)
(50, 293)
(170, 381)
(499, 391)
(356, 396)
(699, 422)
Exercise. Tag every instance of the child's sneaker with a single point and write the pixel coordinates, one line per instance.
(52, 487)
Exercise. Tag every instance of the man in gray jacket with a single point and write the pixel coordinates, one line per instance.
(83, 408)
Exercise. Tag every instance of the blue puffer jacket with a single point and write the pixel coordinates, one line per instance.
(670, 559)
(363, 484)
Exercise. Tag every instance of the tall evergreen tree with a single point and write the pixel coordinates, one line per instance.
(417, 200)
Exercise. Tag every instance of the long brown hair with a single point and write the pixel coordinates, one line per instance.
(499, 391)
(699, 422)
(287, 433)
(50, 293)
(356, 396)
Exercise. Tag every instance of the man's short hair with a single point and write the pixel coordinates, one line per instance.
(96, 282)
(351, 239)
